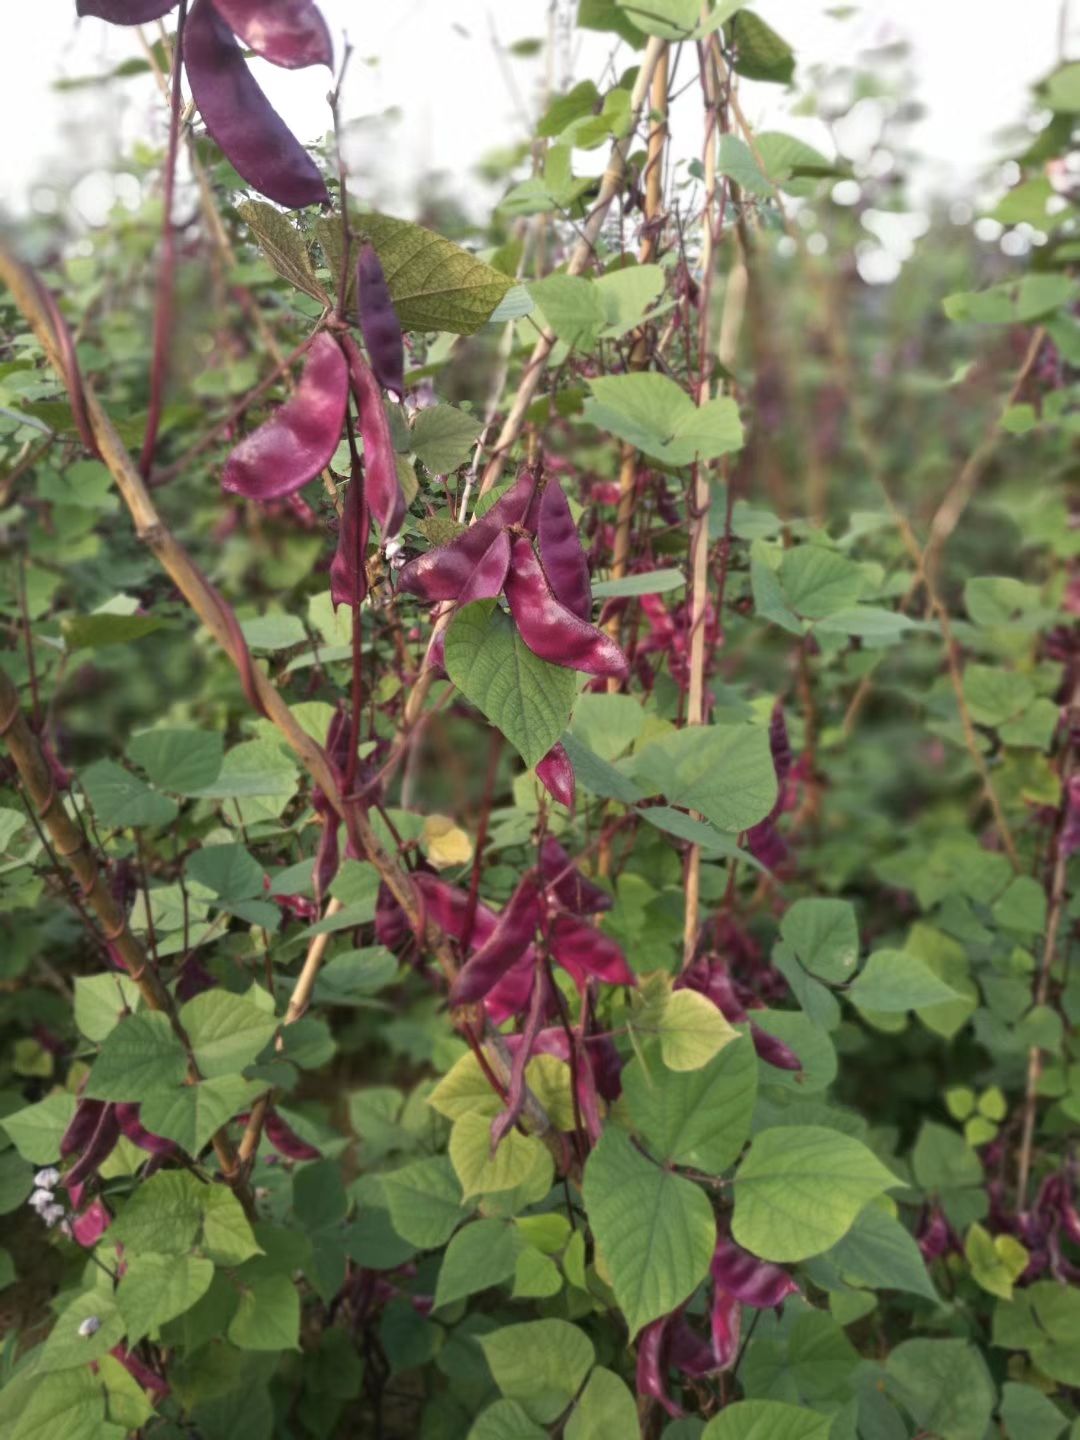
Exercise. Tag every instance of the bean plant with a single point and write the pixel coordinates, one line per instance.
(540, 778)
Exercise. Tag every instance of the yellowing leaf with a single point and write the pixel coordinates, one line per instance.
(445, 843)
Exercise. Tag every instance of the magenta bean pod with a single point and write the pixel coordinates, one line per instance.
(556, 774)
(573, 890)
(348, 574)
(379, 323)
(561, 554)
(549, 629)
(289, 33)
(133, 1129)
(81, 1126)
(99, 1148)
(583, 951)
(285, 1140)
(300, 437)
(250, 133)
(507, 943)
(382, 489)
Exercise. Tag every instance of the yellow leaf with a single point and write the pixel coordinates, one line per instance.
(445, 843)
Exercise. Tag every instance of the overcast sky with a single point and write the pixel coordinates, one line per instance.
(973, 62)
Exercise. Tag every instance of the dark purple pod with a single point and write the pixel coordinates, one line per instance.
(285, 1140)
(382, 489)
(449, 908)
(134, 1130)
(443, 573)
(561, 554)
(539, 1005)
(773, 1051)
(725, 1322)
(379, 323)
(348, 573)
(289, 33)
(573, 890)
(690, 1353)
(505, 946)
(549, 629)
(653, 1360)
(753, 1282)
(509, 996)
(250, 133)
(583, 951)
(100, 1146)
(81, 1127)
(488, 578)
(299, 439)
(556, 773)
(125, 12)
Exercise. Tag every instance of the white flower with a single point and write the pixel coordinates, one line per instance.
(392, 549)
(90, 1326)
(51, 1214)
(48, 1178)
(40, 1199)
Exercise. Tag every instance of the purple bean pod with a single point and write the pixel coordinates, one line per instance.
(573, 890)
(348, 575)
(444, 572)
(561, 555)
(379, 323)
(549, 629)
(248, 130)
(754, 1282)
(539, 1005)
(285, 1140)
(382, 489)
(507, 943)
(773, 1051)
(653, 1358)
(81, 1126)
(556, 774)
(133, 1130)
(125, 12)
(300, 437)
(583, 951)
(289, 33)
(100, 1147)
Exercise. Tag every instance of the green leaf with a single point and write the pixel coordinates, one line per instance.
(120, 799)
(824, 936)
(1027, 1413)
(893, 981)
(997, 1261)
(1061, 90)
(91, 632)
(506, 1420)
(273, 632)
(944, 1385)
(157, 1288)
(66, 1348)
(655, 1229)
(230, 871)
(479, 1256)
(191, 1114)
(670, 19)
(37, 1130)
(268, 1316)
(767, 1420)
(596, 775)
(563, 110)
(880, 1254)
(140, 1056)
(735, 160)
(283, 245)
(800, 1188)
(1015, 302)
(527, 699)
(605, 1411)
(652, 582)
(699, 1118)
(540, 1364)
(162, 1216)
(101, 1001)
(442, 437)
(761, 54)
(482, 1173)
(226, 1031)
(572, 307)
(435, 285)
(425, 1201)
(818, 582)
(691, 1030)
(628, 293)
(655, 415)
(724, 771)
(227, 1237)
